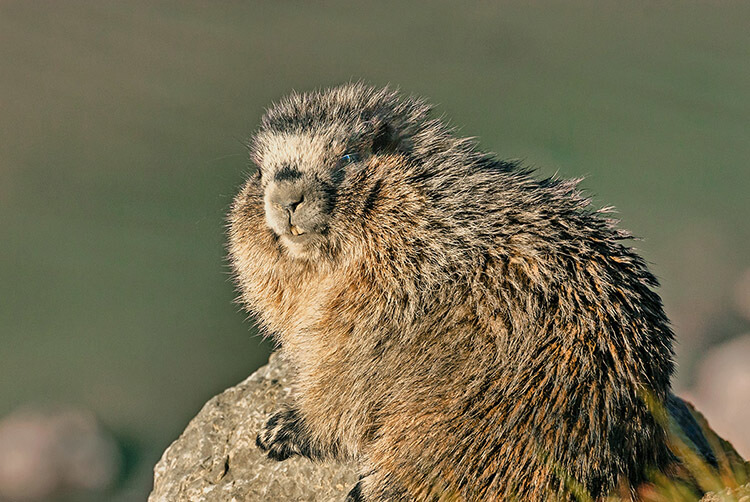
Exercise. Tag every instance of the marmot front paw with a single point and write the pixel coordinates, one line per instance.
(282, 436)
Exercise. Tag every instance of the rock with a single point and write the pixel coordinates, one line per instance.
(216, 458)
(740, 494)
(730, 483)
(48, 452)
(722, 390)
(742, 295)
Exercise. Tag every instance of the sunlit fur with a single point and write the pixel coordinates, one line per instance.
(466, 330)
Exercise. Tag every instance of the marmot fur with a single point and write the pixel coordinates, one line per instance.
(465, 330)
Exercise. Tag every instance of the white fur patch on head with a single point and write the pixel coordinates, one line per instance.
(304, 152)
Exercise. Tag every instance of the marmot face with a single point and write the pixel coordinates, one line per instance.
(300, 174)
(307, 145)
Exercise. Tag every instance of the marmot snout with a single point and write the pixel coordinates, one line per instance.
(465, 330)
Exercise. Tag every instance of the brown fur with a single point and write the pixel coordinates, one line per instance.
(468, 331)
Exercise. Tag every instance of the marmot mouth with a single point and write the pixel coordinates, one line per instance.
(298, 236)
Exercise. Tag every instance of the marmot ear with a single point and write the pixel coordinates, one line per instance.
(384, 138)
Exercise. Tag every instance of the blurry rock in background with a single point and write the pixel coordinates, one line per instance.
(49, 452)
(742, 295)
(722, 391)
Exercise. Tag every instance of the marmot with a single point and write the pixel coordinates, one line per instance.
(465, 330)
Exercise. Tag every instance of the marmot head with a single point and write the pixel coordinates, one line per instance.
(308, 144)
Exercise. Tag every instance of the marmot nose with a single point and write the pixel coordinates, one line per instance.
(288, 198)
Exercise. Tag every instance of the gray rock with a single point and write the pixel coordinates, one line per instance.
(739, 494)
(51, 451)
(742, 295)
(216, 458)
(722, 390)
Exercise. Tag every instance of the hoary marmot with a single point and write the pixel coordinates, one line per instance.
(467, 331)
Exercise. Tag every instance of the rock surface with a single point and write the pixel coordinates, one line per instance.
(216, 458)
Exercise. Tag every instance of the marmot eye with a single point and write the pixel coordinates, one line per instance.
(349, 158)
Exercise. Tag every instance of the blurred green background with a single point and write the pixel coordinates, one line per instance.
(121, 145)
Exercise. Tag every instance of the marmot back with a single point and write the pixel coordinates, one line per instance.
(467, 331)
